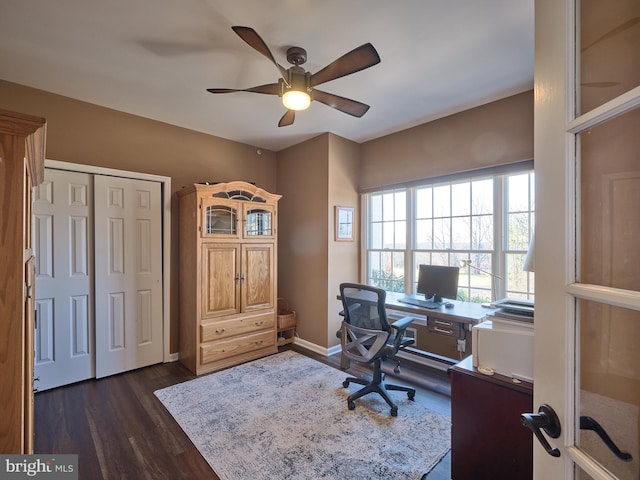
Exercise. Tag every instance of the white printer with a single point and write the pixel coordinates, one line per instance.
(503, 343)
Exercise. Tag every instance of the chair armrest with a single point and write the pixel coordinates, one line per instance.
(402, 324)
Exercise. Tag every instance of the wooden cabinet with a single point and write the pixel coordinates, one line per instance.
(228, 281)
(488, 440)
(22, 141)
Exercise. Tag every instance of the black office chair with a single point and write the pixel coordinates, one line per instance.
(367, 337)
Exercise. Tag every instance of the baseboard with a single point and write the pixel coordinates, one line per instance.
(317, 348)
(173, 357)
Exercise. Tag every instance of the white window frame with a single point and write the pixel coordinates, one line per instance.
(499, 253)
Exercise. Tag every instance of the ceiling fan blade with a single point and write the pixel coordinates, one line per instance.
(364, 56)
(268, 89)
(254, 40)
(346, 105)
(287, 118)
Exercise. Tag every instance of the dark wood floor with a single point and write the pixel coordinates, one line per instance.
(121, 431)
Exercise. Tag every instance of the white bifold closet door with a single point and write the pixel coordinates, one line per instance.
(128, 277)
(63, 239)
(99, 276)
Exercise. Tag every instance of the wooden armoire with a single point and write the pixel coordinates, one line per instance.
(22, 144)
(228, 275)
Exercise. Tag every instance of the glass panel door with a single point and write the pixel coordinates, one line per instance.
(607, 383)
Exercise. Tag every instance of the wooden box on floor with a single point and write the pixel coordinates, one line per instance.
(228, 275)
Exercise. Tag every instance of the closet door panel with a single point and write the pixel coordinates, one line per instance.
(128, 279)
(63, 336)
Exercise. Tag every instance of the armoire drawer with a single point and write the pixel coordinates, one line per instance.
(221, 349)
(218, 329)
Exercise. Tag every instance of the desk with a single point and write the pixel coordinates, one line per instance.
(446, 336)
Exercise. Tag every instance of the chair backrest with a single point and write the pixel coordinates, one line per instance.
(363, 306)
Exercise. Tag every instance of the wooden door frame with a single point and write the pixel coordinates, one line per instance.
(165, 188)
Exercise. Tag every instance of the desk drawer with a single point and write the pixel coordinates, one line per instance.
(443, 327)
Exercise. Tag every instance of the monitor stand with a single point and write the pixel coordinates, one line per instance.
(437, 299)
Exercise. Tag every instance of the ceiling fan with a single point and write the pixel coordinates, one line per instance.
(296, 86)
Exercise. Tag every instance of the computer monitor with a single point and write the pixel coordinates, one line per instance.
(438, 281)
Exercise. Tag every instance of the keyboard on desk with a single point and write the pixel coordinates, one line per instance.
(420, 303)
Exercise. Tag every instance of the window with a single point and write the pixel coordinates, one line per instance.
(485, 219)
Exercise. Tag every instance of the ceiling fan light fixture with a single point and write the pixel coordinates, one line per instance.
(296, 100)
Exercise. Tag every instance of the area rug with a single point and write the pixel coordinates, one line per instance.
(285, 417)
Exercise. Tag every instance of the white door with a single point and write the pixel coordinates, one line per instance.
(128, 274)
(587, 326)
(62, 231)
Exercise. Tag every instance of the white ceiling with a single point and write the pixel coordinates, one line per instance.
(155, 58)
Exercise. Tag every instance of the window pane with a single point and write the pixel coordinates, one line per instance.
(609, 360)
(424, 203)
(376, 236)
(482, 197)
(400, 234)
(388, 206)
(388, 235)
(518, 187)
(400, 206)
(610, 53)
(461, 232)
(610, 191)
(442, 201)
(461, 199)
(482, 230)
(442, 233)
(376, 208)
(424, 234)
(518, 231)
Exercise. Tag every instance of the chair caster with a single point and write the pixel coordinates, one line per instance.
(411, 395)
(351, 405)
(396, 369)
(394, 411)
(345, 384)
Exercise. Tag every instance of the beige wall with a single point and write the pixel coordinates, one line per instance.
(497, 133)
(302, 234)
(314, 177)
(344, 257)
(83, 133)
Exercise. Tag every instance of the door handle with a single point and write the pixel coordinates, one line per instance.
(547, 420)
(588, 423)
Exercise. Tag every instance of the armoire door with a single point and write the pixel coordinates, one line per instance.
(62, 229)
(128, 274)
(257, 277)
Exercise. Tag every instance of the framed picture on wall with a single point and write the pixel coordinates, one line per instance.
(344, 224)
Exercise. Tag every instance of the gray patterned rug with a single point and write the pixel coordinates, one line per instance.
(285, 417)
